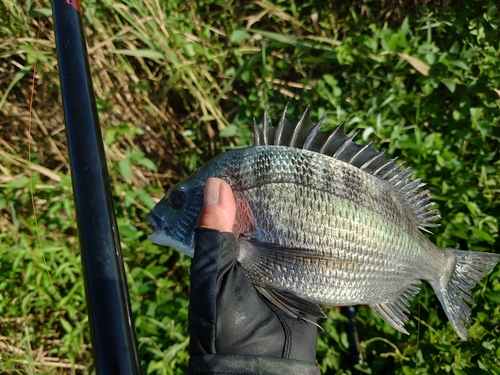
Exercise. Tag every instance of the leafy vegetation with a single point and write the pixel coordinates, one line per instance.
(178, 82)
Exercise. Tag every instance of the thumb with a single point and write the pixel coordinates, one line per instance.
(219, 209)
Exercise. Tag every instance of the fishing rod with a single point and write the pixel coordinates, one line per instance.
(108, 305)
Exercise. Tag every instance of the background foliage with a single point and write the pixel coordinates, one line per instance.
(181, 81)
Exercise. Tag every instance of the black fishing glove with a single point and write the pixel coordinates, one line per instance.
(233, 329)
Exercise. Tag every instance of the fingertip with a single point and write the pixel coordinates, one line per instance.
(219, 208)
(226, 198)
(211, 191)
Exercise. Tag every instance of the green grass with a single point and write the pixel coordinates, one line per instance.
(178, 82)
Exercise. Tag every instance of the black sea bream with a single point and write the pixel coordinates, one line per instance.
(323, 220)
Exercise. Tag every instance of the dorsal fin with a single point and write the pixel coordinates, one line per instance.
(306, 135)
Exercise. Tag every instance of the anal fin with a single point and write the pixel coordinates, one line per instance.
(395, 312)
(293, 305)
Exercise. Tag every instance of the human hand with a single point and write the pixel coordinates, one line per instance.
(233, 328)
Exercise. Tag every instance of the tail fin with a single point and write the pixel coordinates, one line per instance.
(469, 268)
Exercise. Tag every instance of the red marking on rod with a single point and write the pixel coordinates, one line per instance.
(75, 4)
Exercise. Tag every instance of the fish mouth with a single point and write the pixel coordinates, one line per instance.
(157, 222)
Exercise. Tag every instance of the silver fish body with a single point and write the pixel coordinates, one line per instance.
(322, 220)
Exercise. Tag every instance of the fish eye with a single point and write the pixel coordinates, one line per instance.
(177, 198)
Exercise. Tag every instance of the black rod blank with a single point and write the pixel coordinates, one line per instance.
(113, 337)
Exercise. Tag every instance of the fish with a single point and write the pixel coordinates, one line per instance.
(322, 220)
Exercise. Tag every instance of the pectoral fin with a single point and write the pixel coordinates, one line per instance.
(293, 305)
(261, 259)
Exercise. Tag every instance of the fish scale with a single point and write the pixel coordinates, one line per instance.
(323, 220)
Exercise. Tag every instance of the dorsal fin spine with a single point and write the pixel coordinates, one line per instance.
(300, 124)
(372, 159)
(332, 136)
(351, 160)
(280, 128)
(382, 167)
(397, 173)
(394, 169)
(419, 198)
(410, 186)
(402, 176)
(341, 148)
(313, 133)
(344, 145)
(265, 124)
(256, 133)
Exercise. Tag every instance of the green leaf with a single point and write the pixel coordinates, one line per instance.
(238, 36)
(330, 80)
(450, 85)
(475, 113)
(285, 39)
(66, 325)
(46, 12)
(127, 230)
(149, 54)
(145, 198)
(230, 131)
(483, 235)
(459, 64)
(405, 26)
(473, 208)
(19, 183)
(145, 162)
(125, 168)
